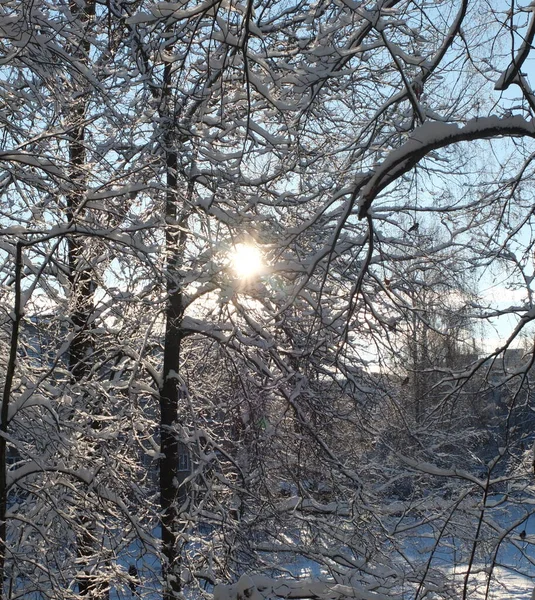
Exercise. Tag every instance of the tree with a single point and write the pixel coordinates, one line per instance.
(61, 490)
(143, 141)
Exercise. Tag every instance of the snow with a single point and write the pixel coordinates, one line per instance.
(506, 584)
(261, 131)
(511, 572)
(245, 588)
(257, 587)
(432, 136)
(509, 75)
(426, 467)
(172, 13)
(33, 161)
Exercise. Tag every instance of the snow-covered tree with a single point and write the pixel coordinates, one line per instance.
(168, 422)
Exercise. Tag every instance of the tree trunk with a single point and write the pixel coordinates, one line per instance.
(172, 494)
(415, 360)
(81, 287)
(10, 372)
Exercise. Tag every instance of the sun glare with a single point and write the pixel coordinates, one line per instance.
(246, 261)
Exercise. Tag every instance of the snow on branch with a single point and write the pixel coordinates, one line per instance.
(257, 587)
(431, 136)
(431, 469)
(513, 70)
(31, 160)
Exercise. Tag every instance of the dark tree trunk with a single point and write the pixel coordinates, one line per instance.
(10, 372)
(170, 392)
(169, 461)
(81, 286)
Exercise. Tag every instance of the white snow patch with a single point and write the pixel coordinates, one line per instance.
(505, 584)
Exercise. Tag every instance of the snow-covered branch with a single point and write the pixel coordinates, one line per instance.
(432, 136)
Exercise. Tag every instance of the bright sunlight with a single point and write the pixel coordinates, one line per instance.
(246, 261)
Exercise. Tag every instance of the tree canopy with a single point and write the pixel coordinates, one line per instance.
(266, 288)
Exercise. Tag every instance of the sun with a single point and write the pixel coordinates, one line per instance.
(246, 261)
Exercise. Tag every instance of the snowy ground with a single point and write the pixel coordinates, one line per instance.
(506, 581)
(505, 585)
